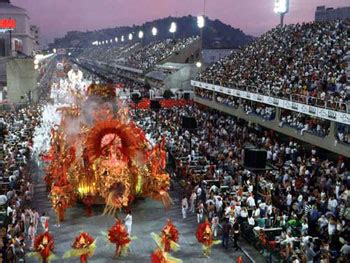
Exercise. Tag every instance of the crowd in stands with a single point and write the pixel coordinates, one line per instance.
(19, 222)
(304, 62)
(135, 55)
(262, 110)
(303, 198)
(298, 121)
(305, 123)
(343, 133)
(153, 53)
(109, 54)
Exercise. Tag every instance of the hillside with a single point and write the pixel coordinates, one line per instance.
(216, 34)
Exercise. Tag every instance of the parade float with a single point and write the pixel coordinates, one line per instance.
(98, 155)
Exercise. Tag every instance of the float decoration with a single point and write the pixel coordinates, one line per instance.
(83, 246)
(98, 155)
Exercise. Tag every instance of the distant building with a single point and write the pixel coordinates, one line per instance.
(213, 55)
(18, 41)
(324, 13)
(35, 32)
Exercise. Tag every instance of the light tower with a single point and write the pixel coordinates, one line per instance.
(282, 8)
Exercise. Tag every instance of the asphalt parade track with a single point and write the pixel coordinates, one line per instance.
(148, 216)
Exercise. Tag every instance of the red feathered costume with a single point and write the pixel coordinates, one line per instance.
(160, 256)
(119, 236)
(44, 245)
(204, 236)
(169, 236)
(84, 243)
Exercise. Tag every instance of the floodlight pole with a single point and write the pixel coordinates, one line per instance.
(282, 19)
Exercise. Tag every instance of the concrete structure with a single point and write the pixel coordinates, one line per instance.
(35, 32)
(324, 13)
(17, 39)
(172, 76)
(20, 38)
(328, 142)
(21, 80)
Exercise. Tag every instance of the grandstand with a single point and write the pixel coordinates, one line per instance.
(300, 71)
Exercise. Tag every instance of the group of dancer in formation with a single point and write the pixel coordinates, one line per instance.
(84, 245)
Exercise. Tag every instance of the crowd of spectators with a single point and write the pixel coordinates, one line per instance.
(135, 55)
(153, 53)
(305, 123)
(343, 133)
(305, 62)
(262, 110)
(109, 54)
(303, 198)
(18, 220)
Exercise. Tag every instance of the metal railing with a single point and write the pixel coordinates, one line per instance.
(308, 100)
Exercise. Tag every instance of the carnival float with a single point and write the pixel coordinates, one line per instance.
(98, 155)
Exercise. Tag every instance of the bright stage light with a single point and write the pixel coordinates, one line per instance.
(200, 21)
(281, 6)
(198, 64)
(173, 27)
(140, 34)
(122, 39)
(54, 50)
(36, 67)
(130, 36)
(111, 40)
(116, 39)
(154, 31)
(36, 61)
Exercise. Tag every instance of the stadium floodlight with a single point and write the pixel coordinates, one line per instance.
(54, 50)
(173, 27)
(36, 61)
(116, 40)
(200, 21)
(122, 39)
(281, 6)
(111, 40)
(69, 54)
(140, 35)
(36, 67)
(198, 64)
(103, 42)
(154, 31)
(130, 36)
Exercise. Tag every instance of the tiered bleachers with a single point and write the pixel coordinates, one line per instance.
(302, 62)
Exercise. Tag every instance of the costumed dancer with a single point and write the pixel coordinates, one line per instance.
(83, 246)
(119, 236)
(43, 247)
(168, 238)
(160, 256)
(204, 236)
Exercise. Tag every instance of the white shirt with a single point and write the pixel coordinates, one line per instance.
(128, 220)
(251, 201)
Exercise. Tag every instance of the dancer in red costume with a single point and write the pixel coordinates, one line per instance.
(168, 238)
(83, 246)
(160, 256)
(43, 247)
(119, 236)
(204, 236)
